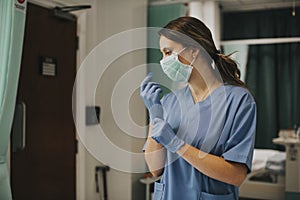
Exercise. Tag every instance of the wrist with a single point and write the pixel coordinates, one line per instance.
(156, 111)
(162, 133)
(175, 145)
(183, 149)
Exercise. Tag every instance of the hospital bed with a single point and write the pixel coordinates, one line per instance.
(267, 179)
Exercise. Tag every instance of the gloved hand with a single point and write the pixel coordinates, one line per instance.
(162, 133)
(150, 94)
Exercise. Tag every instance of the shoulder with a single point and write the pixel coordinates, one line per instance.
(239, 94)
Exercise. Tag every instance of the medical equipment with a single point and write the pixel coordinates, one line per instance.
(292, 180)
(275, 175)
(267, 180)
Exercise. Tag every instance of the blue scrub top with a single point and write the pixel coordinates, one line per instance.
(223, 125)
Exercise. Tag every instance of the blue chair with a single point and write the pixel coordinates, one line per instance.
(12, 22)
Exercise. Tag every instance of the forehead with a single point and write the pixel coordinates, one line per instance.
(166, 43)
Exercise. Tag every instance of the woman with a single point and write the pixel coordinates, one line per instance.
(201, 137)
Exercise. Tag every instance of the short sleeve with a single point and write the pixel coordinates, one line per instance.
(239, 147)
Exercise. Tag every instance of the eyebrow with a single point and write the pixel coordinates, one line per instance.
(166, 49)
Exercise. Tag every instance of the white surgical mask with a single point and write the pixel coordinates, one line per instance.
(176, 70)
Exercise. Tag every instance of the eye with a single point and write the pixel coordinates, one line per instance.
(167, 53)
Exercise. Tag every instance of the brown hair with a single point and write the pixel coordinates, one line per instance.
(192, 32)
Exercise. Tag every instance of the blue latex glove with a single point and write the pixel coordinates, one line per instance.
(162, 133)
(150, 94)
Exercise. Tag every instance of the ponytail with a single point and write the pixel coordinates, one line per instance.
(228, 69)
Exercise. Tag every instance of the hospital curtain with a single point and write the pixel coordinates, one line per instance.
(273, 70)
(159, 16)
(12, 22)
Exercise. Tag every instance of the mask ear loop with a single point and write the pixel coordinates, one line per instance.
(194, 58)
(181, 50)
(193, 61)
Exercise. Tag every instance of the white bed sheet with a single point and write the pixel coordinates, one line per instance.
(261, 156)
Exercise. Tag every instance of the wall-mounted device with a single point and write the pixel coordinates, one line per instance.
(48, 66)
(63, 12)
(92, 115)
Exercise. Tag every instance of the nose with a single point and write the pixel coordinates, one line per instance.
(163, 56)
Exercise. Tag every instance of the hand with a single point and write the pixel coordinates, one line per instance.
(162, 133)
(150, 92)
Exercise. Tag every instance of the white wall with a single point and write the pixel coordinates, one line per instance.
(106, 18)
(209, 13)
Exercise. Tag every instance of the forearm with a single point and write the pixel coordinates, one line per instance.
(155, 155)
(214, 166)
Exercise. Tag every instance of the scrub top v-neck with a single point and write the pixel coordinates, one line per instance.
(223, 125)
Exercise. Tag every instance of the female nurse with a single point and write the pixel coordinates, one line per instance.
(201, 136)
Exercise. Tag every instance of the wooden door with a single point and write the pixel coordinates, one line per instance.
(45, 168)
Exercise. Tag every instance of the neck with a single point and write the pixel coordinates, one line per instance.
(200, 86)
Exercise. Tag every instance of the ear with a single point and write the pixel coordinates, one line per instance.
(195, 53)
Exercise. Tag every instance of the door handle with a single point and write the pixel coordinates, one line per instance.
(19, 128)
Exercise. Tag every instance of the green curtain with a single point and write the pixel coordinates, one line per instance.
(273, 75)
(12, 22)
(273, 71)
(159, 16)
